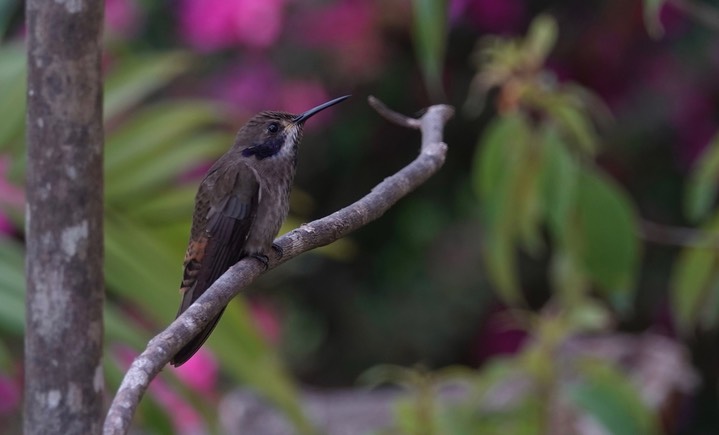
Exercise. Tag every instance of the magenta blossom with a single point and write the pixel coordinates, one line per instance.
(122, 17)
(185, 419)
(300, 95)
(10, 394)
(258, 86)
(249, 88)
(10, 195)
(266, 320)
(457, 9)
(492, 16)
(200, 373)
(210, 25)
(497, 337)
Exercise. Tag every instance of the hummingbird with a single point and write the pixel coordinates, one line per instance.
(240, 206)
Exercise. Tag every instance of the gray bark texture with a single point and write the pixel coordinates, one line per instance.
(309, 236)
(64, 263)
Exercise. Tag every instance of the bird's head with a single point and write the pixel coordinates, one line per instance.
(276, 134)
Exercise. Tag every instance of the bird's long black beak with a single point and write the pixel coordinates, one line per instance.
(308, 114)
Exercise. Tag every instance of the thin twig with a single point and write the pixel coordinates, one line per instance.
(677, 236)
(391, 115)
(309, 236)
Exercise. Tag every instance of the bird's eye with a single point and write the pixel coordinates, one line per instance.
(273, 128)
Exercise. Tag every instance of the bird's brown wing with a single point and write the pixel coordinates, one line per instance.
(224, 212)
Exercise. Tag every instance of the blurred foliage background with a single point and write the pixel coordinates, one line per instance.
(562, 268)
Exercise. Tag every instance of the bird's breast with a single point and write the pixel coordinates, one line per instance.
(272, 209)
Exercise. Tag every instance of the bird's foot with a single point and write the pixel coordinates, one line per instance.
(262, 258)
(278, 249)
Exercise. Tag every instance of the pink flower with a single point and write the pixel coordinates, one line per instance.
(300, 95)
(200, 373)
(122, 17)
(457, 9)
(6, 226)
(340, 23)
(249, 88)
(257, 86)
(10, 394)
(210, 25)
(266, 320)
(497, 337)
(10, 195)
(493, 16)
(185, 419)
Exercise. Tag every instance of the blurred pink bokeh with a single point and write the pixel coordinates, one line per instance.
(256, 85)
(266, 320)
(492, 16)
(123, 17)
(200, 373)
(498, 336)
(211, 25)
(10, 394)
(10, 195)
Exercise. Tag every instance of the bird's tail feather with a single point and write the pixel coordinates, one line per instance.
(194, 345)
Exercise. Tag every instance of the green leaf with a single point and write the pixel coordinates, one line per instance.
(119, 330)
(576, 125)
(12, 287)
(567, 276)
(559, 182)
(651, 18)
(607, 228)
(490, 162)
(496, 174)
(135, 78)
(12, 313)
(430, 35)
(541, 37)
(527, 200)
(701, 189)
(7, 363)
(689, 285)
(694, 277)
(167, 205)
(140, 268)
(612, 400)
(150, 174)
(151, 133)
(13, 90)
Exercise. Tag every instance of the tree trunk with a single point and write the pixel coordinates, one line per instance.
(64, 329)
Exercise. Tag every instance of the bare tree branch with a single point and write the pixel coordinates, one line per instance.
(65, 283)
(677, 236)
(309, 236)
